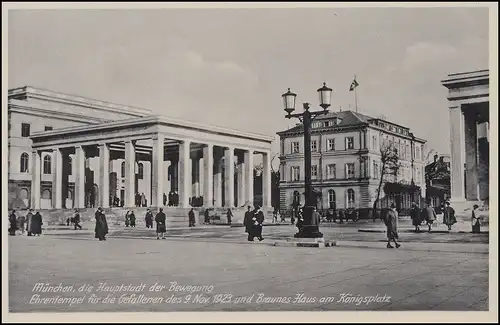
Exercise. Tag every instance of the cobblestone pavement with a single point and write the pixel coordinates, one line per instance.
(251, 277)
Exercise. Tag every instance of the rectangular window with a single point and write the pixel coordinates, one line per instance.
(295, 147)
(48, 128)
(331, 144)
(374, 142)
(349, 171)
(314, 146)
(314, 171)
(327, 124)
(25, 130)
(295, 173)
(417, 152)
(349, 143)
(331, 171)
(375, 170)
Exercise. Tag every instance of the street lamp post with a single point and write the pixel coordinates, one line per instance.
(310, 227)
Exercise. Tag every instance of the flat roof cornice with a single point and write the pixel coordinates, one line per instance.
(465, 79)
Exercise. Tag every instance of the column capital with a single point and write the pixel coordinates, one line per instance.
(158, 136)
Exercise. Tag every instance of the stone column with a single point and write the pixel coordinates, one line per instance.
(184, 173)
(249, 176)
(157, 168)
(35, 180)
(241, 180)
(457, 137)
(129, 174)
(104, 175)
(195, 163)
(218, 181)
(483, 158)
(208, 165)
(229, 177)
(167, 186)
(79, 177)
(57, 179)
(65, 178)
(266, 180)
(472, 186)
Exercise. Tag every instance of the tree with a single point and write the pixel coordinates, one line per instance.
(389, 166)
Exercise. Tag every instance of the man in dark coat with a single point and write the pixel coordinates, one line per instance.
(391, 221)
(229, 216)
(247, 222)
(164, 199)
(36, 224)
(76, 220)
(258, 220)
(101, 225)
(161, 224)
(132, 219)
(12, 223)
(207, 217)
(29, 221)
(149, 219)
(415, 217)
(191, 218)
(449, 215)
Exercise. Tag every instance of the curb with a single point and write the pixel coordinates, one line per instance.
(423, 232)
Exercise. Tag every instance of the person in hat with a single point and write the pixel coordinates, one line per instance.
(415, 216)
(101, 225)
(191, 218)
(12, 223)
(476, 221)
(161, 224)
(149, 219)
(449, 215)
(76, 220)
(392, 226)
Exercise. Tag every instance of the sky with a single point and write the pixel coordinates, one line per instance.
(229, 67)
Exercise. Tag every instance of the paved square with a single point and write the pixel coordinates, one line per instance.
(243, 276)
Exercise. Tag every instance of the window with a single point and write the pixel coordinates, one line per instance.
(350, 198)
(314, 171)
(70, 166)
(47, 165)
(332, 199)
(374, 142)
(408, 152)
(140, 171)
(418, 176)
(47, 195)
(295, 173)
(327, 124)
(314, 145)
(375, 170)
(349, 143)
(331, 144)
(296, 198)
(417, 152)
(25, 130)
(331, 171)
(48, 128)
(295, 147)
(25, 158)
(123, 169)
(349, 170)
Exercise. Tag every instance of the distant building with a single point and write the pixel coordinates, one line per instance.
(468, 104)
(437, 175)
(346, 162)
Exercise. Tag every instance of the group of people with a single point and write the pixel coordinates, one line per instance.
(428, 215)
(253, 223)
(141, 200)
(32, 221)
(173, 199)
(75, 220)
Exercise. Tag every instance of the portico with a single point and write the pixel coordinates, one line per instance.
(198, 161)
(468, 99)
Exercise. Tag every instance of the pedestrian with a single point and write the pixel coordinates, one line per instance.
(21, 221)
(101, 225)
(449, 215)
(229, 216)
(76, 220)
(247, 222)
(29, 222)
(132, 219)
(282, 216)
(191, 218)
(476, 221)
(341, 215)
(149, 219)
(275, 215)
(161, 226)
(293, 216)
(36, 224)
(415, 217)
(391, 222)
(259, 221)
(430, 216)
(127, 218)
(12, 223)
(300, 220)
(207, 217)
(164, 199)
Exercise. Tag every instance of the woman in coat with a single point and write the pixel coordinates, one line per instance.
(161, 224)
(476, 222)
(127, 218)
(415, 217)
(36, 224)
(392, 226)
(449, 215)
(12, 223)
(430, 216)
(101, 225)
(132, 219)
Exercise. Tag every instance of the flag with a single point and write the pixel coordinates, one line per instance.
(354, 84)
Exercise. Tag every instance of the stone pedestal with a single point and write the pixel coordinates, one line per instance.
(306, 242)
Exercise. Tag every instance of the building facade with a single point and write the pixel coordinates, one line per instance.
(346, 168)
(67, 152)
(468, 104)
(437, 174)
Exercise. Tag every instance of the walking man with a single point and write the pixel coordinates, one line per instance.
(101, 225)
(449, 215)
(161, 224)
(247, 222)
(229, 216)
(430, 215)
(29, 221)
(191, 218)
(76, 220)
(391, 221)
(415, 216)
(149, 219)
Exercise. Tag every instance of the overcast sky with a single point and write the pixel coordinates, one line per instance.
(229, 67)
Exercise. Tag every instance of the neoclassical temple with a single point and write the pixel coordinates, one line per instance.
(98, 151)
(468, 104)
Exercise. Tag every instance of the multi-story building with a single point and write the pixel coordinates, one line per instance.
(346, 162)
(438, 180)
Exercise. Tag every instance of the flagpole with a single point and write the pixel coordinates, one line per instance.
(355, 97)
